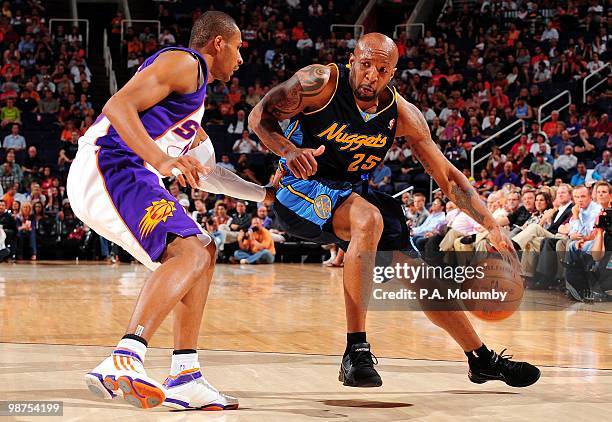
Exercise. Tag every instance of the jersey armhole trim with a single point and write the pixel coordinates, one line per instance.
(332, 96)
(378, 113)
(393, 100)
(293, 129)
(202, 67)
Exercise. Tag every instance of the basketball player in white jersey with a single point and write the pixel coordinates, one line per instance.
(146, 131)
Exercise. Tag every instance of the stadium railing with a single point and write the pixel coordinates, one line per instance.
(396, 31)
(542, 117)
(86, 21)
(400, 193)
(129, 22)
(108, 64)
(585, 90)
(516, 135)
(358, 30)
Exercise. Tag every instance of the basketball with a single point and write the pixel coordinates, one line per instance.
(496, 295)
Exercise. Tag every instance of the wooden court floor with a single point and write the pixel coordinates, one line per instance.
(272, 336)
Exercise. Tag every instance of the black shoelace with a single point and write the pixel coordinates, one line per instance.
(364, 359)
(505, 362)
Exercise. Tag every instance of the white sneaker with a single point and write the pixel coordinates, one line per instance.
(123, 370)
(330, 260)
(190, 390)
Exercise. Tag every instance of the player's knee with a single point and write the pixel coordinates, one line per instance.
(199, 260)
(195, 257)
(370, 221)
(211, 251)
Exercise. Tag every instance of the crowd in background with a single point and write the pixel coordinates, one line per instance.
(45, 96)
(551, 227)
(478, 69)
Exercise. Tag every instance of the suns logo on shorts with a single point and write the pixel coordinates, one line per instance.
(158, 212)
(322, 206)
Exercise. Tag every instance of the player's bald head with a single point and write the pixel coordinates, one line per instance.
(372, 65)
(379, 45)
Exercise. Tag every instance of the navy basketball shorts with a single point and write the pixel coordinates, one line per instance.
(305, 209)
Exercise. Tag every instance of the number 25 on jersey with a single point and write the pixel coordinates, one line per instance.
(360, 164)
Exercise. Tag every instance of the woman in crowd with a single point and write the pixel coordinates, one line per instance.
(220, 215)
(54, 202)
(543, 202)
(15, 209)
(484, 182)
(26, 232)
(38, 211)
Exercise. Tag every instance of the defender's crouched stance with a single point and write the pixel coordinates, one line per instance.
(145, 132)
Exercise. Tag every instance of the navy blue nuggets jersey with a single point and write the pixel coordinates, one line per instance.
(355, 141)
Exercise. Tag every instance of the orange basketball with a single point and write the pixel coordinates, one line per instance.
(495, 292)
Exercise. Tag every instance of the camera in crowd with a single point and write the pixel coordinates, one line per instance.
(605, 221)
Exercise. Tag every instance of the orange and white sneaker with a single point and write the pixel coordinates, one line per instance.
(123, 370)
(190, 390)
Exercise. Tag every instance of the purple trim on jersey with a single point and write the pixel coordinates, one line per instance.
(132, 189)
(168, 112)
(182, 379)
(100, 117)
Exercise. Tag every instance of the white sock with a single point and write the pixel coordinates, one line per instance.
(332, 256)
(133, 345)
(184, 362)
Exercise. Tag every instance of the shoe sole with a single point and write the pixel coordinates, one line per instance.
(217, 407)
(211, 407)
(137, 392)
(366, 383)
(574, 293)
(96, 386)
(478, 380)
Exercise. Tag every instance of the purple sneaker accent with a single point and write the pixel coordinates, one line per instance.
(125, 352)
(99, 376)
(181, 379)
(179, 402)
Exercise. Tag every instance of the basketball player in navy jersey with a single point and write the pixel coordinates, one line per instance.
(148, 130)
(343, 122)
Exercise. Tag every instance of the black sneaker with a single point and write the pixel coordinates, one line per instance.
(572, 293)
(357, 368)
(500, 367)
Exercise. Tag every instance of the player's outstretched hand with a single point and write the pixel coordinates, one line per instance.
(302, 162)
(188, 168)
(501, 241)
(504, 246)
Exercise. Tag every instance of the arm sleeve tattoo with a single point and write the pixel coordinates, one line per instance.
(287, 99)
(464, 198)
(452, 182)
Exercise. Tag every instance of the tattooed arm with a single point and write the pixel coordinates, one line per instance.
(308, 89)
(453, 183)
